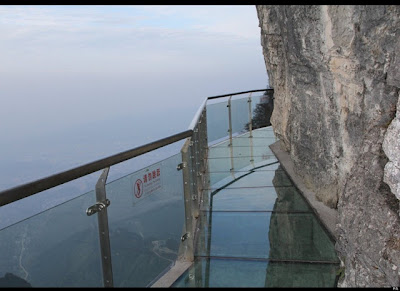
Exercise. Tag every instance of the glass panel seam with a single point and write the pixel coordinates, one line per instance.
(268, 260)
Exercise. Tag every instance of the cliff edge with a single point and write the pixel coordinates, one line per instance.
(335, 71)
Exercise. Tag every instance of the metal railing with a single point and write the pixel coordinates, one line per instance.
(193, 166)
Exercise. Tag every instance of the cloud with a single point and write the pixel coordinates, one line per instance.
(142, 41)
(40, 32)
(78, 55)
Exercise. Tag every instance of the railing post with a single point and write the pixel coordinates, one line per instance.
(201, 145)
(194, 171)
(251, 130)
(200, 160)
(194, 157)
(250, 117)
(187, 238)
(230, 131)
(101, 209)
(197, 159)
(204, 156)
(230, 120)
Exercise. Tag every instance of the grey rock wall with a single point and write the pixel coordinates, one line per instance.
(335, 71)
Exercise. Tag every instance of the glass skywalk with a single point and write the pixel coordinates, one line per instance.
(223, 202)
(257, 230)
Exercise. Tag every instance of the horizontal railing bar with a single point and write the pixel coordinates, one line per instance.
(28, 189)
(238, 93)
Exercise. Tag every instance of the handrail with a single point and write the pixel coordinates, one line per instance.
(238, 93)
(31, 188)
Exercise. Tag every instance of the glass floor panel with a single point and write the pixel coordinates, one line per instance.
(238, 164)
(255, 229)
(266, 165)
(266, 175)
(206, 272)
(248, 142)
(234, 235)
(255, 179)
(244, 151)
(267, 235)
(260, 132)
(259, 199)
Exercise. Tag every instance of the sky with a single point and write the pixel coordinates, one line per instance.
(79, 83)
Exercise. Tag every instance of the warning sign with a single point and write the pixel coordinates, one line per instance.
(148, 182)
(138, 190)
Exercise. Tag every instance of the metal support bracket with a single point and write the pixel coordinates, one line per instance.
(99, 206)
(184, 237)
(181, 166)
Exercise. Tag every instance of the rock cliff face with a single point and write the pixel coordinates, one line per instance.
(335, 71)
